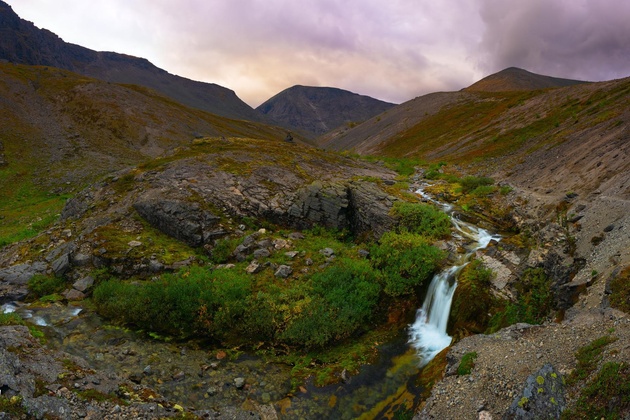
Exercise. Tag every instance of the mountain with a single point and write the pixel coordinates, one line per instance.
(514, 78)
(317, 110)
(23, 43)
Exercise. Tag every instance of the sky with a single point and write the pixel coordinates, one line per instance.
(393, 50)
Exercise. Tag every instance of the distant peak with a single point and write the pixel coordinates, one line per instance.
(515, 78)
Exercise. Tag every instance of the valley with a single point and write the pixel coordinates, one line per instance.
(164, 254)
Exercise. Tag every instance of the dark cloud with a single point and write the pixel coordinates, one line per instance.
(581, 39)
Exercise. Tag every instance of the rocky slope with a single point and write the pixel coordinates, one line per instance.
(317, 110)
(22, 42)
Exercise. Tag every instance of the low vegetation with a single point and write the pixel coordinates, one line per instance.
(533, 304)
(467, 364)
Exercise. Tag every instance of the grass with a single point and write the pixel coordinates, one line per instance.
(607, 396)
(588, 357)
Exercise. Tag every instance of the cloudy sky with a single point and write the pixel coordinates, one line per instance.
(393, 50)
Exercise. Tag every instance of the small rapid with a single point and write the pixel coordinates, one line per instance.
(427, 335)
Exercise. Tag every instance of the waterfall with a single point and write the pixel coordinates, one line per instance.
(428, 332)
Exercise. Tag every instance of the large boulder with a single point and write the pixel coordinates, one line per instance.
(183, 220)
(542, 398)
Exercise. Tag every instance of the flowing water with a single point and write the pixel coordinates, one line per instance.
(428, 333)
(195, 378)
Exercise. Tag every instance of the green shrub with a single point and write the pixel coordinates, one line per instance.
(194, 301)
(483, 190)
(467, 363)
(344, 299)
(422, 219)
(406, 260)
(534, 302)
(470, 183)
(42, 285)
(606, 397)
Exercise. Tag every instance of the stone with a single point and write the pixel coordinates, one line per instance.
(262, 253)
(291, 254)
(83, 284)
(296, 236)
(239, 382)
(182, 220)
(61, 265)
(280, 243)
(134, 244)
(327, 252)
(22, 273)
(364, 253)
(81, 260)
(73, 294)
(283, 271)
(542, 397)
(254, 267)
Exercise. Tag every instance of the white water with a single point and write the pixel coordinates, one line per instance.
(428, 333)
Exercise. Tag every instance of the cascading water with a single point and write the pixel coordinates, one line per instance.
(428, 333)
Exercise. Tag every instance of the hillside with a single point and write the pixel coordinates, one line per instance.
(317, 110)
(513, 78)
(60, 130)
(22, 42)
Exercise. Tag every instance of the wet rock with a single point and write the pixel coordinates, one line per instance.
(83, 284)
(542, 397)
(283, 271)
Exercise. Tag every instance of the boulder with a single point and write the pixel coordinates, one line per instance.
(22, 273)
(183, 220)
(542, 398)
(283, 271)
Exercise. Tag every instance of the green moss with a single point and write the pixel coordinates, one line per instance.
(467, 363)
(523, 402)
(540, 380)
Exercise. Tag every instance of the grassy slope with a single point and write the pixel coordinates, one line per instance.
(60, 131)
(483, 126)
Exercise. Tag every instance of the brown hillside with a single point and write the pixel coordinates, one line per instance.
(514, 78)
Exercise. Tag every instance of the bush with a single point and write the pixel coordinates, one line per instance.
(469, 183)
(41, 285)
(344, 299)
(620, 291)
(194, 301)
(406, 260)
(422, 219)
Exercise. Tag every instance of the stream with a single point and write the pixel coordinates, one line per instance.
(198, 379)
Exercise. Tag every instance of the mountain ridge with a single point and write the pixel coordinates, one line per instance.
(317, 110)
(22, 42)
